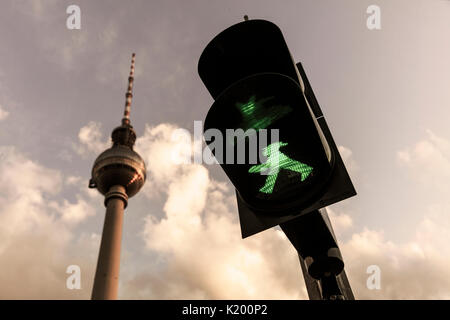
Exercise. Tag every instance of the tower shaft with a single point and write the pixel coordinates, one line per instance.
(106, 282)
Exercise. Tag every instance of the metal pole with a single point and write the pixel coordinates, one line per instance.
(322, 265)
(106, 282)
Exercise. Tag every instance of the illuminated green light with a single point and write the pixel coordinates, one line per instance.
(255, 116)
(275, 162)
(248, 108)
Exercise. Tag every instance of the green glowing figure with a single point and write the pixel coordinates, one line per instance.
(276, 160)
(255, 116)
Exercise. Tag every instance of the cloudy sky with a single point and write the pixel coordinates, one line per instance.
(385, 95)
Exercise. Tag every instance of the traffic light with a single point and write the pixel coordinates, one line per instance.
(278, 151)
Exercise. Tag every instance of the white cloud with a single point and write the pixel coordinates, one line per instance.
(3, 113)
(91, 140)
(36, 238)
(23, 177)
(157, 146)
(74, 213)
(341, 222)
(73, 180)
(419, 267)
(349, 161)
(416, 269)
(80, 185)
(428, 161)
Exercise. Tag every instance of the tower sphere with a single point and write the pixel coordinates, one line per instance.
(120, 164)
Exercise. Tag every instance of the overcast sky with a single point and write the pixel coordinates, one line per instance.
(385, 95)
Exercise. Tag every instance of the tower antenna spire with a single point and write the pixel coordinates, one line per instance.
(129, 94)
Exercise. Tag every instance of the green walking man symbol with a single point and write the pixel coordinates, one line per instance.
(276, 160)
(255, 116)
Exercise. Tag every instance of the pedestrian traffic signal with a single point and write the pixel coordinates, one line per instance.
(278, 151)
(273, 173)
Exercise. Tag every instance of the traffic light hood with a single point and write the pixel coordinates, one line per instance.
(244, 49)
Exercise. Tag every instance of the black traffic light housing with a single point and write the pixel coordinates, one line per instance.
(339, 185)
(250, 60)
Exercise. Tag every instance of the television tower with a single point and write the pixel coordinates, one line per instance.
(118, 173)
